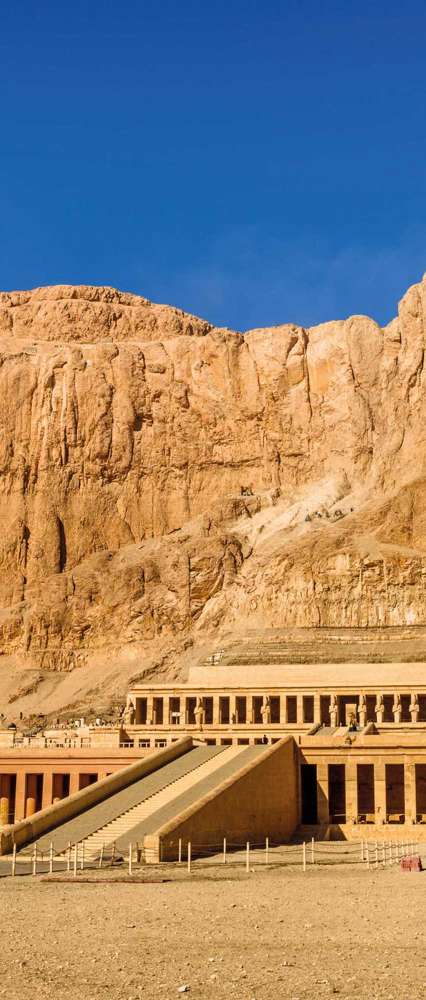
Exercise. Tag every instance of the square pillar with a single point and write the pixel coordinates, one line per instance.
(351, 774)
(74, 782)
(149, 709)
(380, 792)
(47, 789)
(317, 707)
(299, 702)
(322, 793)
(410, 793)
(232, 709)
(215, 709)
(20, 796)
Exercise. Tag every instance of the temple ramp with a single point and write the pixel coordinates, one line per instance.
(212, 762)
(98, 816)
(257, 798)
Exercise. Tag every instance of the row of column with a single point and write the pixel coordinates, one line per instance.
(315, 713)
(26, 792)
(351, 778)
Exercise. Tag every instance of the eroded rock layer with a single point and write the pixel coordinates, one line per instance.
(164, 483)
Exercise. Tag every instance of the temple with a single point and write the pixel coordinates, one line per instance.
(266, 737)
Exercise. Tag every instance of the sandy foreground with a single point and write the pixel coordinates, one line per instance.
(267, 934)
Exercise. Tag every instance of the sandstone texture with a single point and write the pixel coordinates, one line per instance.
(165, 484)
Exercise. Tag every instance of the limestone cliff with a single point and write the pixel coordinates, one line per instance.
(164, 483)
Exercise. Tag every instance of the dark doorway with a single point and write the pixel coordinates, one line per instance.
(190, 711)
(241, 709)
(275, 708)
(257, 704)
(395, 793)
(343, 701)
(291, 705)
(158, 711)
(370, 701)
(208, 711)
(405, 708)
(224, 710)
(309, 793)
(388, 708)
(174, 711)
(325, 709)
(308, 708)
(337, 792)
(141, 711)
(422, 707)
(84, 780)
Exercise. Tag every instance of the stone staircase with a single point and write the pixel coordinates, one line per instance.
(144, 806)
(119, 830)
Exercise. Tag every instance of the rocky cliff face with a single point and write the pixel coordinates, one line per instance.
(164, 483)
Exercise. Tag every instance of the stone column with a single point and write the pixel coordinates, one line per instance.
(380, 792)
(215, 709)
(317, 707)
(74, 782)
(149, 709)
(299, 698)
(333, 710)
(410, 793)
(232, 709)
(396, 708)
(351, 774)
(322, 793)
(20, 796)
(47, 789)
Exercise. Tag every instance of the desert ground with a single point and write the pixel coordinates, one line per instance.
(216, 934)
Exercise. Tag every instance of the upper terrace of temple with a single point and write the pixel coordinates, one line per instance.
(395, 644)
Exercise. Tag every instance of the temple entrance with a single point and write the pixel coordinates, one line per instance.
(347, 703)
(395, 793)
(308, 777)
(337, 793)
(365, 792)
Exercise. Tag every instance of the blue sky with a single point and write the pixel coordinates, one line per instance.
(252, 162)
